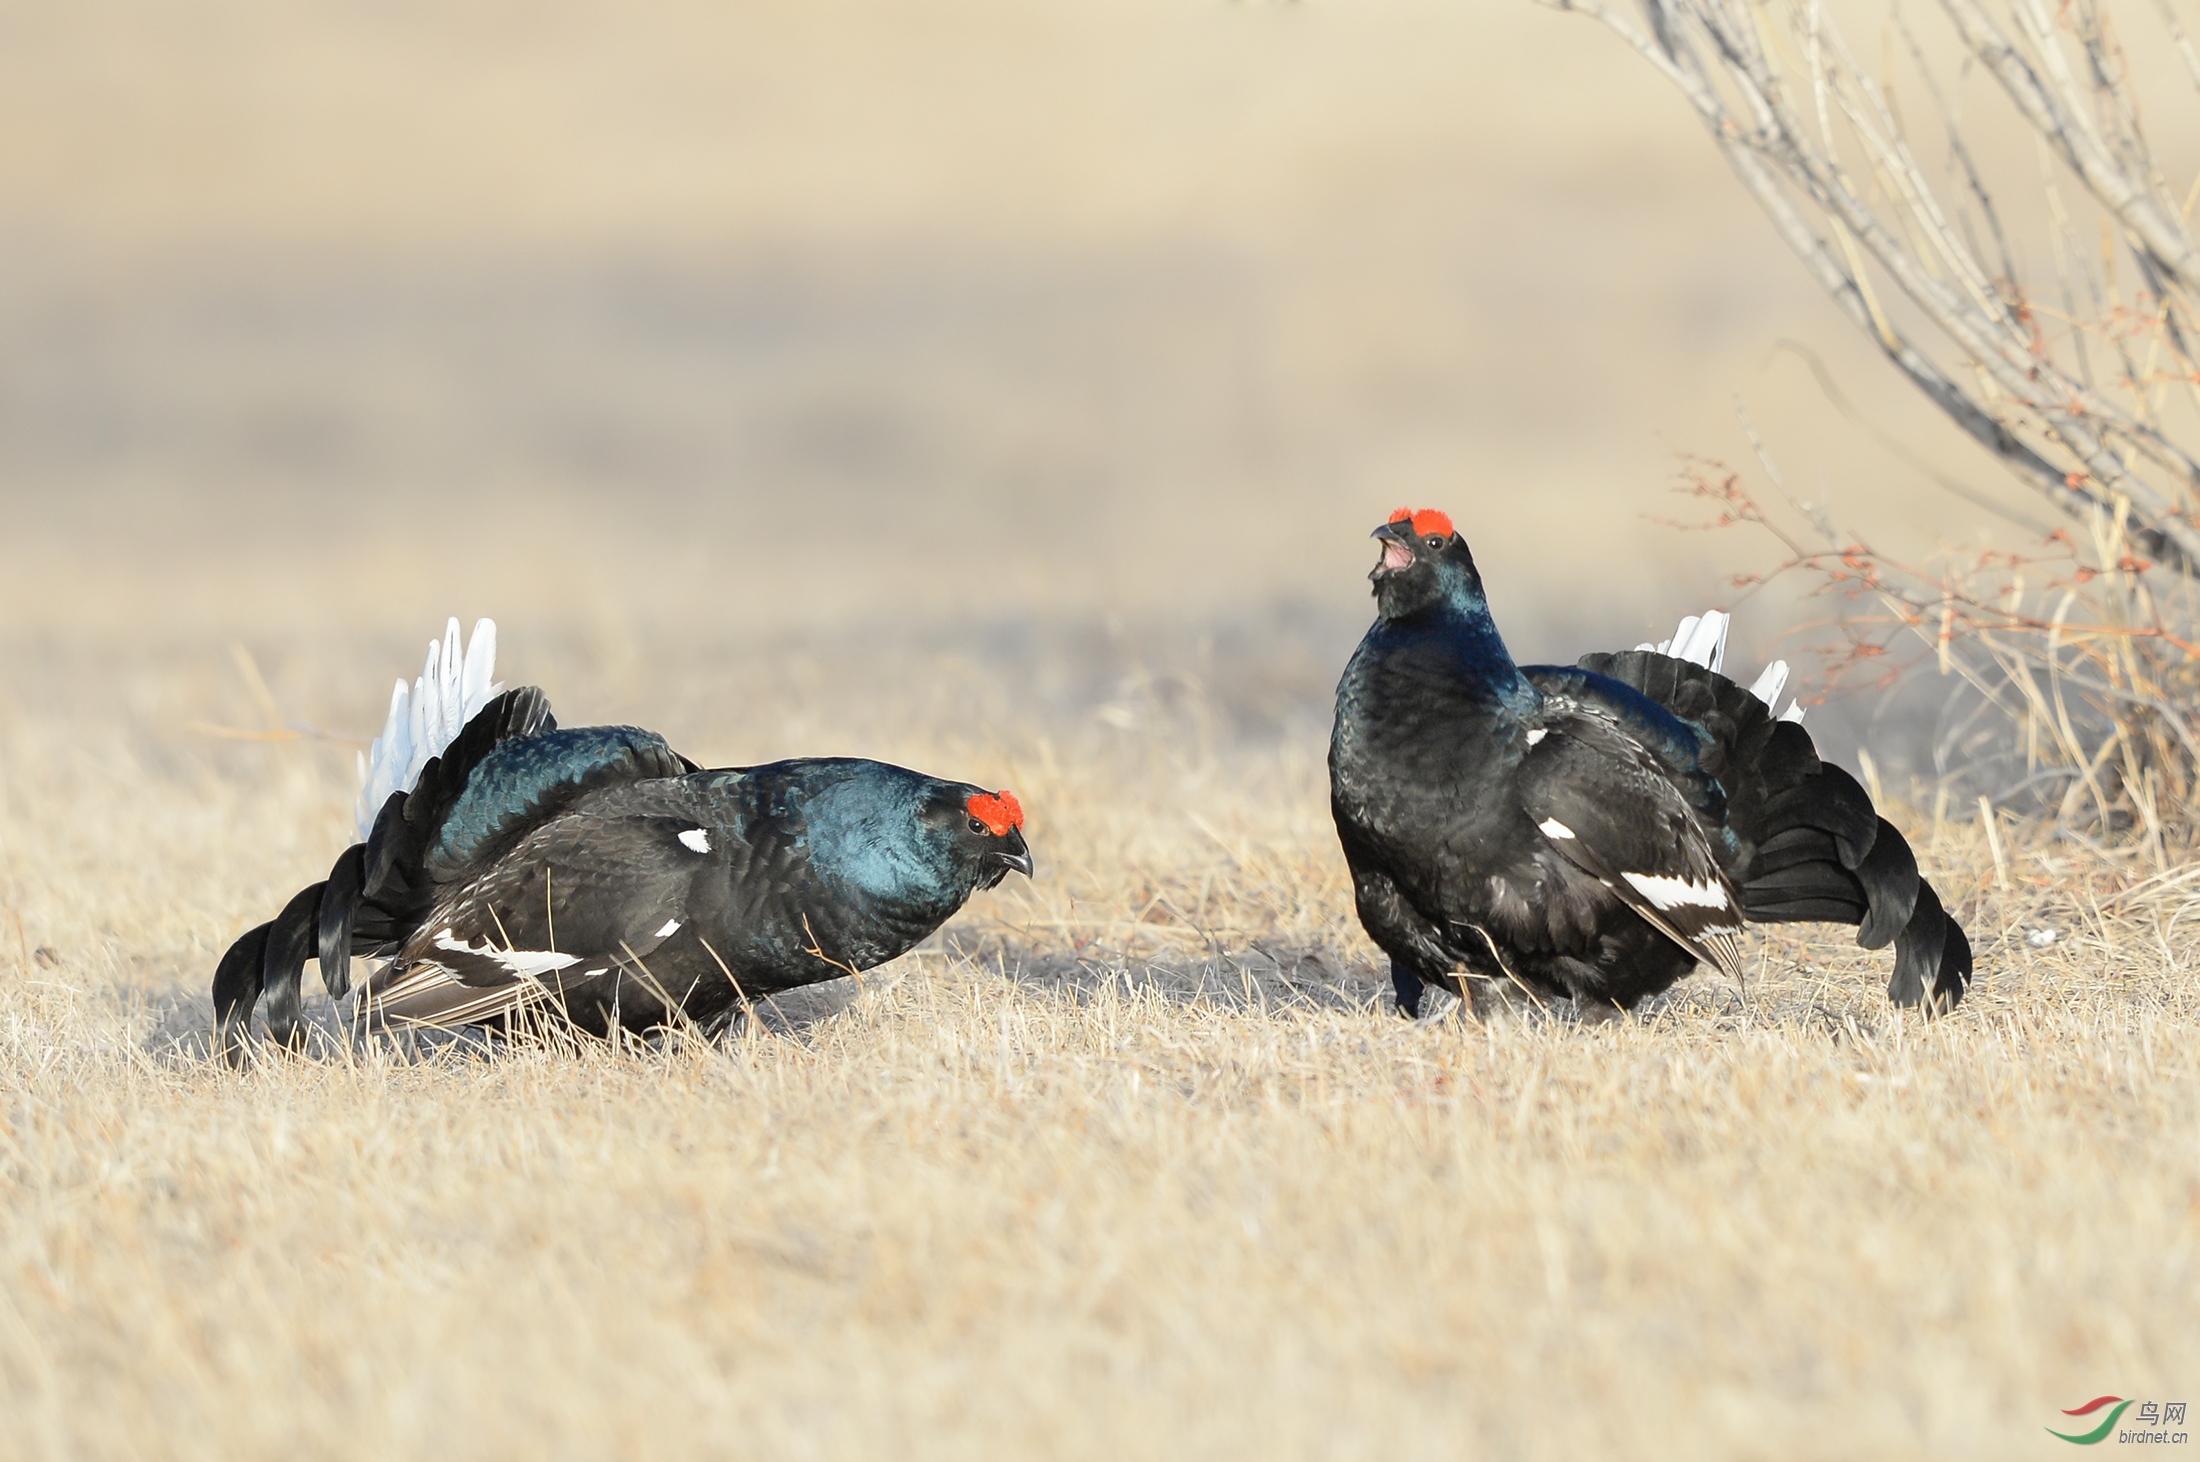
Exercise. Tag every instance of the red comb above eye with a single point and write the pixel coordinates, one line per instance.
(999, 811)
(1426, 522)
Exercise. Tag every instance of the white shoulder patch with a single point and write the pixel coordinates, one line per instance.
(697, 839)
(1538, 734)
(1671, 893)
(1551, 827)
(672, 926)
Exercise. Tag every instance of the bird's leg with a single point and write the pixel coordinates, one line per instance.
(1408, 987)
(1425, 994)
(1418, 956)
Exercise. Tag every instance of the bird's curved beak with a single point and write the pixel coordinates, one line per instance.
(1397, 549)
(1015, 857)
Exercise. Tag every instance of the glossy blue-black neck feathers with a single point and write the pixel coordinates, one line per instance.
(1438, 605)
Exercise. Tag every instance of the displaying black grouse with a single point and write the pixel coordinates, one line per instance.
(1590, 832)
(598, 878)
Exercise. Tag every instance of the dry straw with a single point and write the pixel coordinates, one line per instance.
(1131, 1162)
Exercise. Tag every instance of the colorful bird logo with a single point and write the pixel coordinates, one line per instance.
(2099, 1433)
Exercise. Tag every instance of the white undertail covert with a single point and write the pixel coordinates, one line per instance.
(1701, 640)
(427, 716)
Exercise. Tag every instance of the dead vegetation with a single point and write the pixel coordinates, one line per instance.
(1133, 1162)
(2048, 306)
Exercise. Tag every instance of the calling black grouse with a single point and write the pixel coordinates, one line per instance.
(1590, 832)
(598, 878)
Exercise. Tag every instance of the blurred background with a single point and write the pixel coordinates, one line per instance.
(1098, 333)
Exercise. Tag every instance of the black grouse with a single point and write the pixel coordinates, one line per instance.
(1590, 832)
(596, 878)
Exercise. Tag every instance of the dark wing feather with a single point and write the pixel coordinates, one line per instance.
(524, 783)
(1680, 748)
(1609, 806)
(581, 898)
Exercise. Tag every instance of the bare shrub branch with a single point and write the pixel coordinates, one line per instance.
(2095, 675)
(2082, 653)
(1783, 97)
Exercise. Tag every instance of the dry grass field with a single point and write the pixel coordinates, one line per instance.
(1133, 1162)
(1003, 390)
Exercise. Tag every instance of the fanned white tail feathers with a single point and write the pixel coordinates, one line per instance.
(427, 716)
(1701, 640)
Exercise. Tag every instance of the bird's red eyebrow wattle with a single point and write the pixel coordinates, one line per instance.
(999, 811)
(1426, 521)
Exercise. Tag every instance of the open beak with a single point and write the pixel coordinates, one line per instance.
(1397, 552)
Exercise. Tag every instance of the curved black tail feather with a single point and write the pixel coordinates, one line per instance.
(289, 940)
(1932, 957)
(1892, 888)
(373, 898)
(339, 903)
(1813, 848)
(237, 990)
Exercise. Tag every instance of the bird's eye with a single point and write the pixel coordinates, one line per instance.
(976, 826)
(1435, 540)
